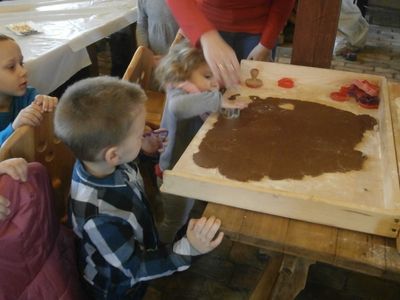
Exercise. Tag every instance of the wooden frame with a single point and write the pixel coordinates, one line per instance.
(330, 199)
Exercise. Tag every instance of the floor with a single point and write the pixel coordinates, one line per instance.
(233, 269)
(381, 55)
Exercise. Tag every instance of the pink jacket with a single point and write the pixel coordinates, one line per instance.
(37, 254)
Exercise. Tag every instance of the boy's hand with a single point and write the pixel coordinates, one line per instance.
(17, 168)
(30, 115)
(154, 141)
(201, 233)
(4, 210)
(47, 103)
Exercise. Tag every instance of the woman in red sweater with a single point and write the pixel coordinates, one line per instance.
(229, 30)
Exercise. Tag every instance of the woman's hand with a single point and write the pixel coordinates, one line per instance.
(260, 53)
(221, 58)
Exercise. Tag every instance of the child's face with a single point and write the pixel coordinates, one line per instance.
(129, 149)
(203, 78)
(13, 75)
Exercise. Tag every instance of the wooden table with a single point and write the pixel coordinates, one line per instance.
(66, 28)
(295, 245)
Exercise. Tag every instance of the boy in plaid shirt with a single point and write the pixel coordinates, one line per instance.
(102, 121)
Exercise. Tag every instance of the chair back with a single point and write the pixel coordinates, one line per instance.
(179, 37)
(141, 67)
(140, 70)
(41, 145)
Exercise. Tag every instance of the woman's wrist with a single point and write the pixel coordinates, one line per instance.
(208, 36)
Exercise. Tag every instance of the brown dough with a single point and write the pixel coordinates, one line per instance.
(284, 138)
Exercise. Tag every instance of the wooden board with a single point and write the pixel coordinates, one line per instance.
(366, 200)
(351, 250)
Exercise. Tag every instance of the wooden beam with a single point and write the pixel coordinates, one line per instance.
(315, 32)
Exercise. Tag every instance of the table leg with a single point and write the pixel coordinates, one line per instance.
(292, 277)
(283, 278)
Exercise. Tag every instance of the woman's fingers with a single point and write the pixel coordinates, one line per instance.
(221, 58)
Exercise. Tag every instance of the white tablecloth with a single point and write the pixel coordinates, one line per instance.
(67, 27)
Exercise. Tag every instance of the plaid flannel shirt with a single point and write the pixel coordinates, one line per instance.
(119, 244)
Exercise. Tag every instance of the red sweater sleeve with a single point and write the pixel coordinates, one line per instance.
(190, 19)
(277, 17)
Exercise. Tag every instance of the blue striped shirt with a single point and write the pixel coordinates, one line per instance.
(119, 244)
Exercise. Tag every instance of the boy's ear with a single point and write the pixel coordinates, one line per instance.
(111, 156)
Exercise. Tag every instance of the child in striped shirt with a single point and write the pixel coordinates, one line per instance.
(102, 121)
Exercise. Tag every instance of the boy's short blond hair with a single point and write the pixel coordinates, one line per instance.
(96, 113)
(177, 66)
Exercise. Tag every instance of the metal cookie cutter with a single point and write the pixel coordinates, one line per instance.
(230, 113)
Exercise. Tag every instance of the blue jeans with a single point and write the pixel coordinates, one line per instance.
(242, 43)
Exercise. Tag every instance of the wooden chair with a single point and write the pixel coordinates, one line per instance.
(140, 71)
(40, 144)
(178, 38)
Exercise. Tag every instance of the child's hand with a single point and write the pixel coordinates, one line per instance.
(201, 233)
(238, 102)
(47, 103)
(30, 115)
(154, 141)
(4, 210)
(17, 168)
